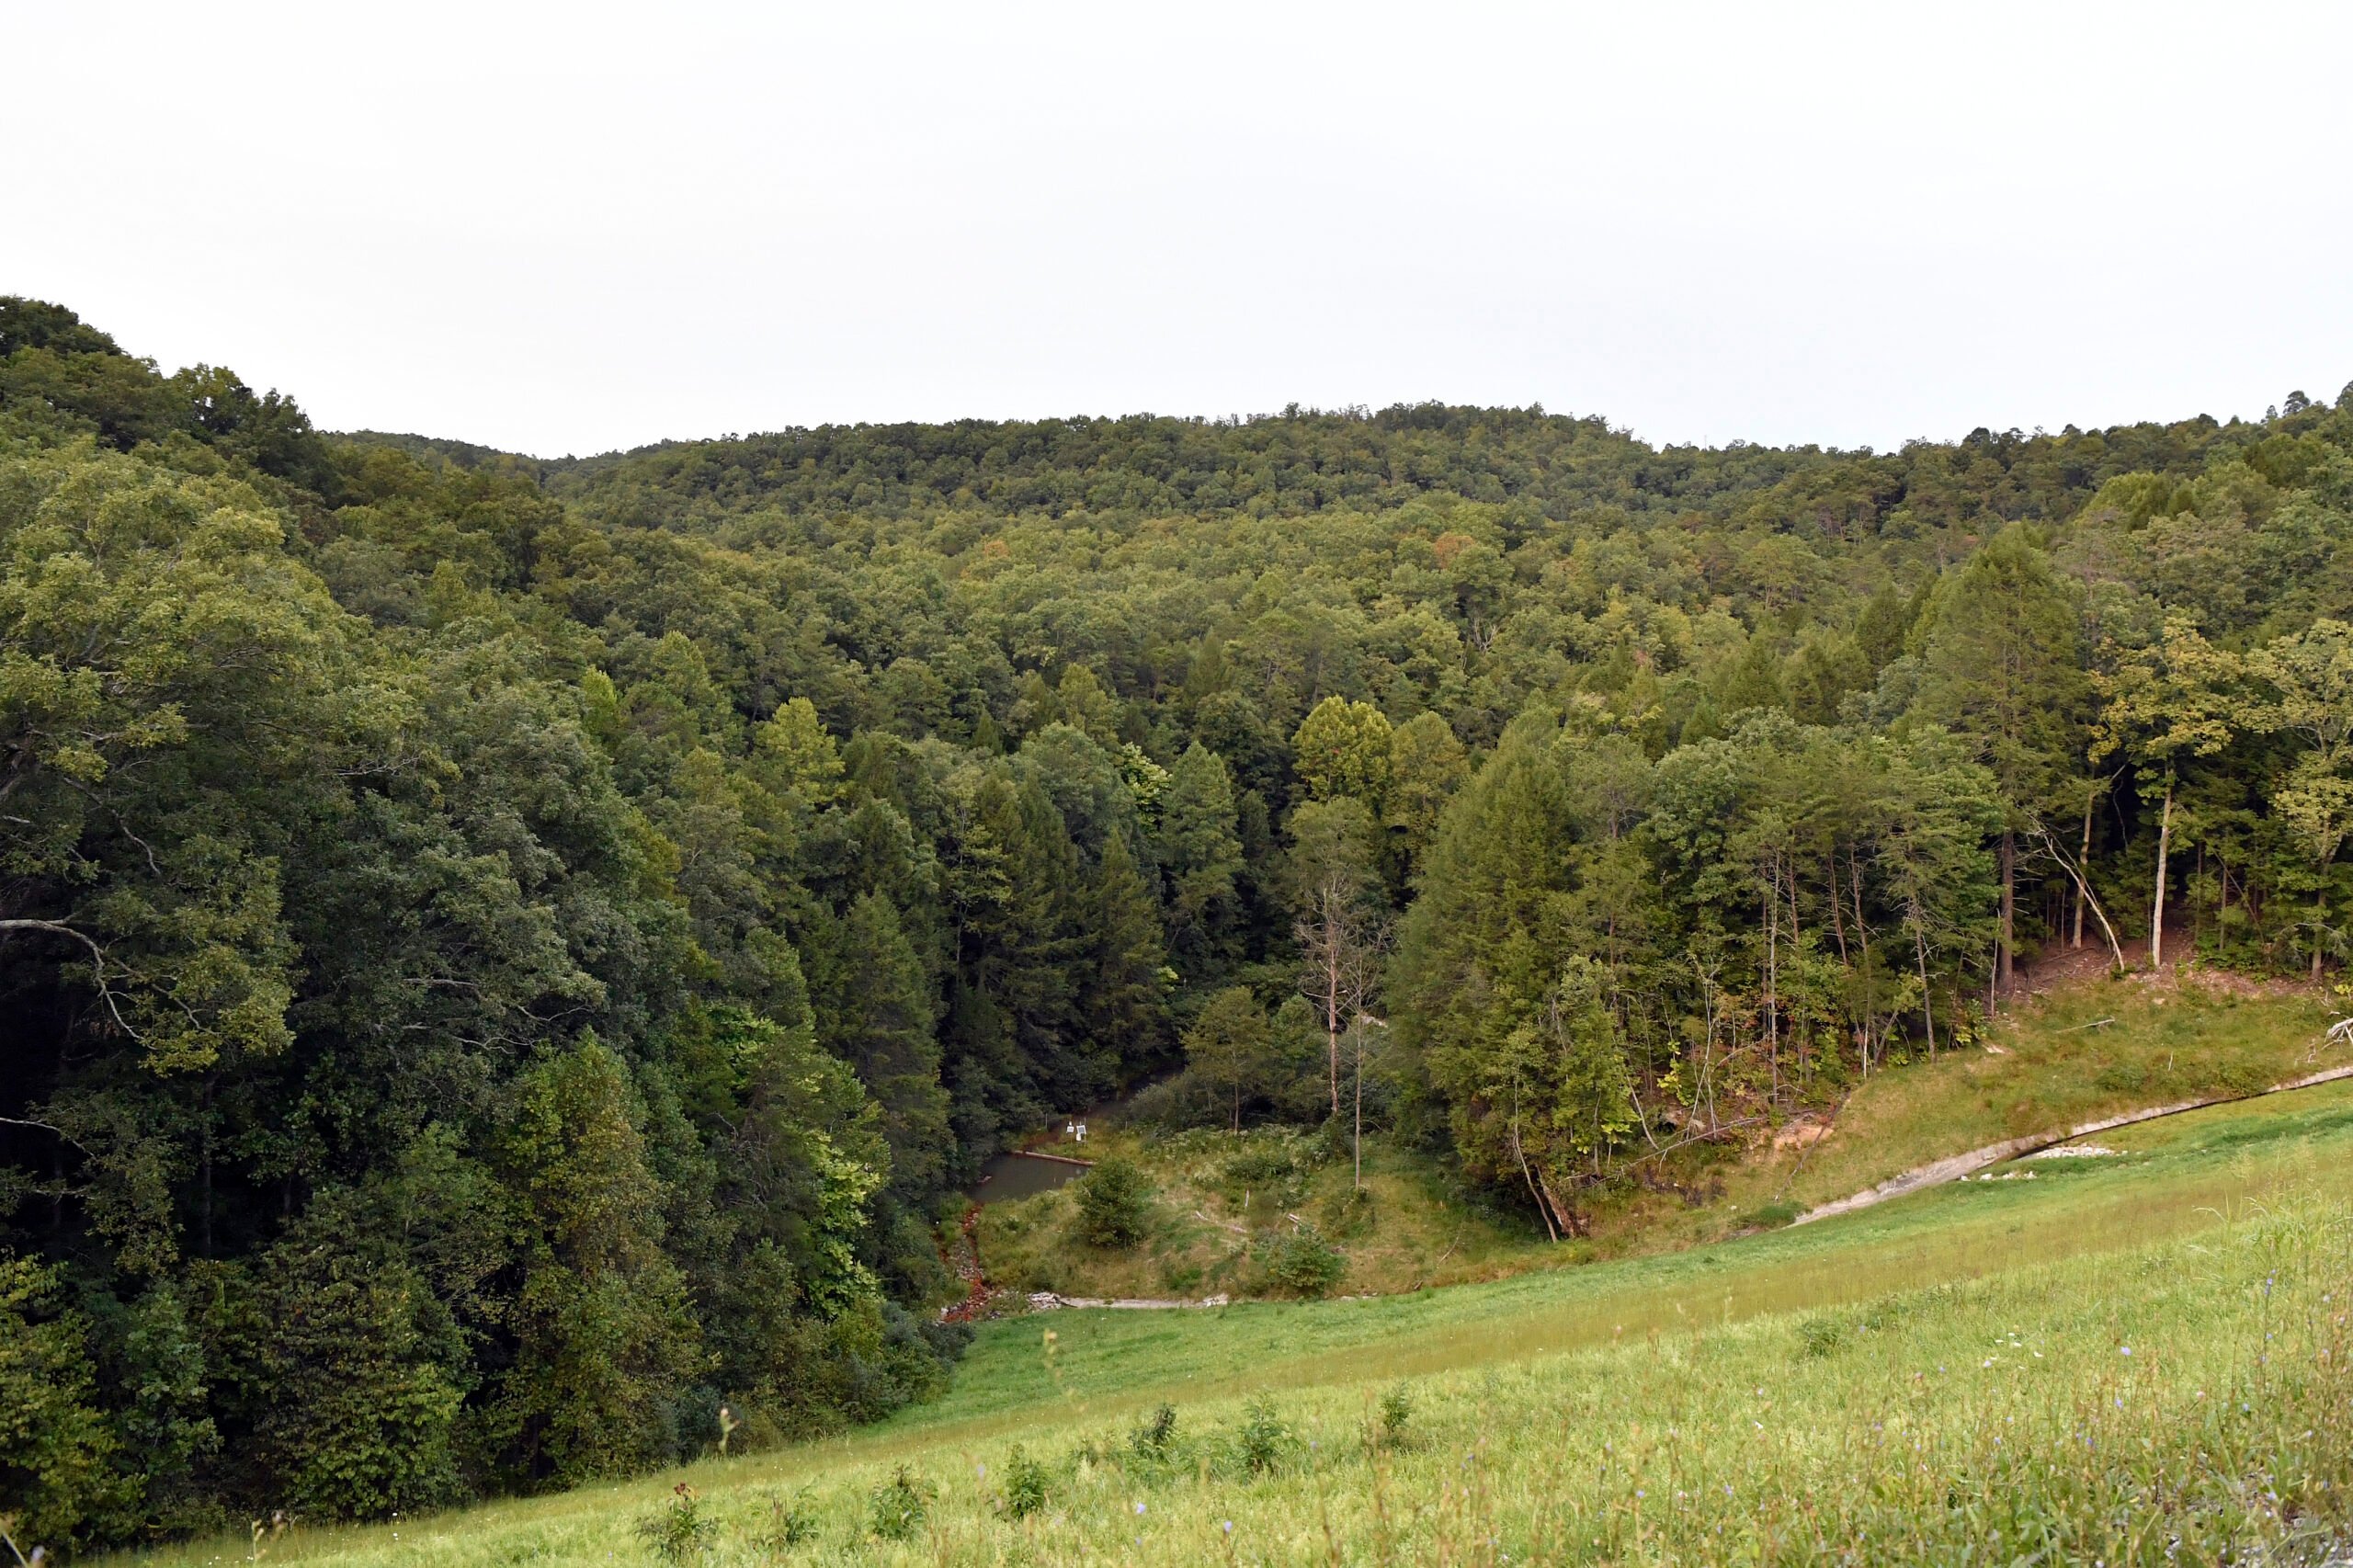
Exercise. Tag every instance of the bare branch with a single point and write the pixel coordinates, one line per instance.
(47, 1126)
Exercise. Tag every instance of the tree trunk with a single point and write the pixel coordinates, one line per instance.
(2002, 965)
(1863, 940)
(2320, 911)
(1356, 1140)
(1837, 920)
(1332, 1007)
(1570, 1220)
(2157, 905)
(2091, 796)
(1927, 1014)
(1773, 977)
(1543, 1210)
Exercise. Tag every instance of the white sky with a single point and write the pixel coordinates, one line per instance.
(572, 228)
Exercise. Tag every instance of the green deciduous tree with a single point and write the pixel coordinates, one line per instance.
(603, 1333)
(1426, 765)
(2165, 706)
(1342, 748)
(1230, 1047)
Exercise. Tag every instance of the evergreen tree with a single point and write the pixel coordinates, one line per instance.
(879, 1019)
(1494, 923)
(1200, 850)
(2001, 667)
(1122, 1003)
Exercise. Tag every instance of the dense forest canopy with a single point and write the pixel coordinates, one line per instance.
(501, 956)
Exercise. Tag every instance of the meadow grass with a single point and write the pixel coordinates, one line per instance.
(2135, 1358)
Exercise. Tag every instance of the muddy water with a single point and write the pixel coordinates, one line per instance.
(1009, 1176)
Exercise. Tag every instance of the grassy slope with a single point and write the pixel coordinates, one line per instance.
(2169, 1041)
(1906, 1381)
(2057, 1066)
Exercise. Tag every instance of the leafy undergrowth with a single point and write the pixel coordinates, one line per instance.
(1225, 1206)
(1229, 1216)
(2140, 1358)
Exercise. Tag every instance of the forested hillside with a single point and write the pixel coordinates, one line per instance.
(500, 957)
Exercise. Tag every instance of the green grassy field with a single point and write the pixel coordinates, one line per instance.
(2141, 1358)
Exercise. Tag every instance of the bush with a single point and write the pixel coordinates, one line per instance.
(1262, 1163)
(1275, 1165)
(1396, 1413)
(788, 1525)
(681, 1531)
(1263, 1439)
(1174, 1105)
(1304, 1262)
(896, 1509)
(1025, 1486)
(2122, 1078)
(1154, 1435)
(1114, 1204)
(58, 1476)
(1820, 1336)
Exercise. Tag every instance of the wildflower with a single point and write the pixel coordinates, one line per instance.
(1139, 1508)
(1229, 1527)
(2127, 1351)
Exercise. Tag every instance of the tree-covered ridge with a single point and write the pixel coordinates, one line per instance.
(1303, 462)
(503, 956)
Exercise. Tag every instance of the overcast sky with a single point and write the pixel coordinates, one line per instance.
(569, 229)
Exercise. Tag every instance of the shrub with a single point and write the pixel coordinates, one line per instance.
(896, 1509)
(1819, 1336)
(789, 1524)
(1264, 1163)
(1396, 1412)
(681, 1531)
(1272, 1166)
(58, 1476)
(1304, 1262)
(1025, 1486)
(1114, 1204)
(1154, 1435)
(1263, 1439)
(2122, 1078)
